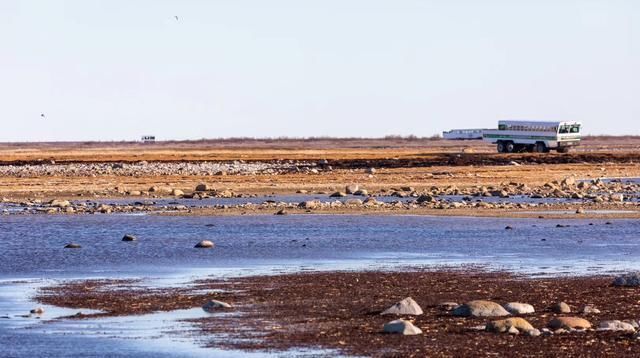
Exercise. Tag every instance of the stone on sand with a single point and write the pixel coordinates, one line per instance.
(405, 307)
(480, 308)
(401, 326)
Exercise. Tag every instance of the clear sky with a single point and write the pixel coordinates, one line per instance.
(116, 69)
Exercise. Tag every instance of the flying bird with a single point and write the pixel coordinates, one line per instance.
(176, 17)
(42, 115)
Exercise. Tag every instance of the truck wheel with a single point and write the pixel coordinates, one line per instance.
(563, 150)
(539, 147)
(501, 147)
(509, 147)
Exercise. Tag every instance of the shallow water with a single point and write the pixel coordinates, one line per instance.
(32, 250)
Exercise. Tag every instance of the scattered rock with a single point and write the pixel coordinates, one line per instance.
(580, 211)
(405, 307)
(447, 306)
(202, 187)
(59, 203)
(38, 310)
(629, 280)
(615, 325)
(569, 323)
(401, 326)
(589, 309)
(519, 308)
(215, 305)
(534, 332)
(371, 171)
(504, 325)
(480, 308)
(128, 237)
(204, 244)
(561, 307)
(177, 192)
(350, 189)
(281, 212)
(338, 194)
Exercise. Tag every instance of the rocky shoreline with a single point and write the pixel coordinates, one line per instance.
(582, 197)
(452, 312)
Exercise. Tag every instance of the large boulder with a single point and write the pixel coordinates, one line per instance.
(405, 307)
(401, 326)
(569, 323)
(338, 194)
(177, 192)
(503, 325)
(615, 325)
(519, 308)
(480, 308)
(629, 280)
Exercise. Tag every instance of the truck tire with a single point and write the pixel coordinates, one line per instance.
(509, 147)
(501, 147)
(539, 147)
(564, 149)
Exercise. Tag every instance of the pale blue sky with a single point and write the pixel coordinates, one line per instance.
(113, 70)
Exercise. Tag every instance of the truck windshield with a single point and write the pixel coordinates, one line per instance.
(575, 129)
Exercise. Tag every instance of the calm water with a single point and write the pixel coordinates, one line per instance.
(32, 251)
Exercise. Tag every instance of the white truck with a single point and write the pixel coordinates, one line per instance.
(533, 136)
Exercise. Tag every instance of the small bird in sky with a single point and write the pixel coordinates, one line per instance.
(42, 115)
(176, 17)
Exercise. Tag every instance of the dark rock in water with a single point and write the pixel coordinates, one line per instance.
(281, 212)
(128, 237)
(629, 280)
(508, 228)
(608, 223)
(210, 225)
(204, 244)
(72, 246)
(560, 225)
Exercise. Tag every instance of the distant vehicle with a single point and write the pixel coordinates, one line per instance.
(461, 134)
(531, 136)
(148, 139)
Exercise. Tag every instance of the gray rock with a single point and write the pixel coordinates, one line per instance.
(338, 194)
(350, 189)
(480, 308)
(401, 326)
(204, 244)
(202, 187)
(405, 307)
(448, 306)
(128, 237)
(561, 307)
(519, 308)
(215, 305)
(37, 310)
(589, 309)
(615, 325)
(629, 280)
(72, 246)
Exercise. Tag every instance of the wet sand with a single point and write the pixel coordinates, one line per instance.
(340, 310)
